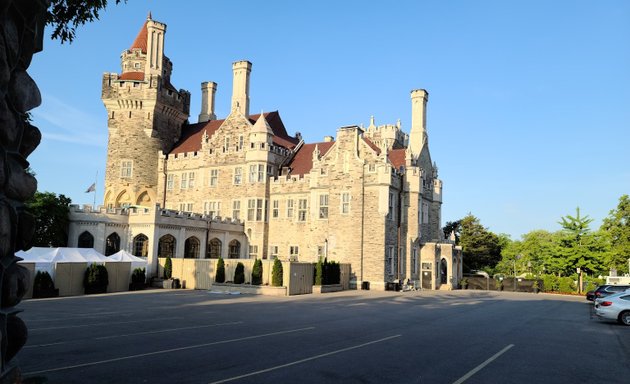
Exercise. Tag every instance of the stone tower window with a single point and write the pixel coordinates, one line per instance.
(126, 168)
(345, 203)
(170, 181)
(236, 209)
(302, 206)
(275, 209)
(214, 177)
(290, 208)
(238, 175)
(323, 206)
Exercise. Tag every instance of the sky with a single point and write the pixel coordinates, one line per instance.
(529, 101)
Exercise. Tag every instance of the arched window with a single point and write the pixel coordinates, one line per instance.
(235, 249)
(112, 244)
(191, 248)
(141, 245)
(86, 240)
(166, 246)
(214, 249)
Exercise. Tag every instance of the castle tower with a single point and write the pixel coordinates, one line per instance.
(208, 90)
(240, 86)
(145, 115)
(418, 135)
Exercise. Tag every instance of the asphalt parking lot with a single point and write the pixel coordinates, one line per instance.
(183, 336)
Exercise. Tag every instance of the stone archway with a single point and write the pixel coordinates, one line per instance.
(112, 244)
(166, 246)
(191, 248)
(86, 240)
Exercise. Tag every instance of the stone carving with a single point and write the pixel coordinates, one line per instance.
(21, 30)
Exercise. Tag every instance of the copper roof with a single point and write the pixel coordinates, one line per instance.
(302, 163)
(190, 140)
(138, 76)
(397, 157)
(141, 39)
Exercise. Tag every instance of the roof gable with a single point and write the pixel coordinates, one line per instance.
(302, 162)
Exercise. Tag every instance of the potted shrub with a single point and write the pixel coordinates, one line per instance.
(168, 274)
(464, 283)
(138, 279)
(257, 272)
(44, 286)
(95, 279)
(220, 274)
(239, 273)
(276, 273)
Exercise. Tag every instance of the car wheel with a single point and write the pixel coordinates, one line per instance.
(624, 317)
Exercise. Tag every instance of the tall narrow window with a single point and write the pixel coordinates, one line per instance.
(212, 208)
(345, 203)
(425, 213)
(236, 209)
(290, 208)
(240, 142)
(126, 168)
(252, 173)
(226, 144)
(261, 173)
(390, 260)
(390, 211)
(273, 252)
(191, 180)
(251, 209)
(302, 205)
(275, 209)
(170, 181)
(214, 177)
(323, 206)
(259, 209)
(184, 181)
(294, 253)
(238, 175)
(253, 251)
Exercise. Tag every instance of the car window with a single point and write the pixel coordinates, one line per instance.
(618, 288)
(626, 297)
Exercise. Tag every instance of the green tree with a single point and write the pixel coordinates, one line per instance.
(577, 244)
(51, 219)
(66, 15)
(453, 227)
(257, 272)
(319, 271)
(617, 227)
(481, 248)
(220, 275)
(168, 268)
(239, 273)
(276, 273)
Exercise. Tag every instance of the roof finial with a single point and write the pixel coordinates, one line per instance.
(149, 16)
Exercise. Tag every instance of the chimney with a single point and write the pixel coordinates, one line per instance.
(418, 134)
(328, 139)
(240, 86)
(208, 89)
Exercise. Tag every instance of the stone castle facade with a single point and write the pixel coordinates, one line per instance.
(370, 196)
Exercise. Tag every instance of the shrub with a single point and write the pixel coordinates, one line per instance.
(239, 273)
(168, 268)
(276, 274)
(95, 279)
(43, 285)
(333, 273)
(257, 272)
(319, 270)
(220, 275)
(138, 276)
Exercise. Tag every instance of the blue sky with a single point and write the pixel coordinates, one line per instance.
(529, 101)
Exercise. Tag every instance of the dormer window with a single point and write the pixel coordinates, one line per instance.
(136, 65)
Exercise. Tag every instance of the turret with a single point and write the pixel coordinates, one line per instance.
(418, 135)
(208, 90)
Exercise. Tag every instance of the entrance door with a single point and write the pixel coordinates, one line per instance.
(426, 279)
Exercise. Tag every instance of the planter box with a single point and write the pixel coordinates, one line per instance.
(327, 288)
(250, 289)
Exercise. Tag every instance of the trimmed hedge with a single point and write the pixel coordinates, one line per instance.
(327, 272)
(220, 275)
(239, 273)
(95, 279)
(257, 272)
(276, 274)
(168, 268)
(44, 286)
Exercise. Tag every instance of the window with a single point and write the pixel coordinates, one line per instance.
(323, 206)
(240, 143)
(141, 246)
(184, 181)
(234, 249)
(251, 209)
(302, 205)
(253, 251)
(259, 210)
(275, 209)
(238, 175)
(426, 266)
(214, 249)
(112, 244)
(170, 181)
(273, 252)
(390, 211)
(290, 208)
(136, 65)
(186, 207)
(126, 168)
(390, 260)
(345, 203)
(252, 173)
(214, 177)
(166, 246)
(191, 248)
(372, 168)
(414, 261)
(294, 252)
(261, 173)
(212, 208)
(86, 240)
(236, 209)
(425, 213)
(191, 179)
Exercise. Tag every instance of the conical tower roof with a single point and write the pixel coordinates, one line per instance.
(141, 40)
(262, 125)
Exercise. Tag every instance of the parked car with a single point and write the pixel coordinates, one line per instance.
(605, 290)
(614, 307)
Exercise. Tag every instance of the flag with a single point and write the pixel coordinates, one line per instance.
(92, 188)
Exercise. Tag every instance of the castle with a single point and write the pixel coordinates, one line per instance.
(243, 187)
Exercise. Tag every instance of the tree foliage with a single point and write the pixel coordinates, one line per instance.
(453, 227)
(277, 274)
(481, 248)
(220, 274)
(616, 227)
(51, 219)
(257, 272)
(66, 15)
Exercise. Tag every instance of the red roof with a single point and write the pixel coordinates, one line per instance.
(302, 163)
(372, 145)
(138, 76)
(397, 157)
(141, 39)
(190, 140)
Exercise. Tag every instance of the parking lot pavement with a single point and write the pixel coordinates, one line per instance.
(182, 336)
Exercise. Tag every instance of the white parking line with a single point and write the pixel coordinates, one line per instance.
(305, 360)
(133, 334)
(482, 365)
(165, 351)
(108, 323)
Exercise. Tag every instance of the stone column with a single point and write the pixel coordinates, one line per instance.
(21, 27)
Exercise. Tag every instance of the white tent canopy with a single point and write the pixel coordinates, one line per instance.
(136, 262)
(55, 255)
